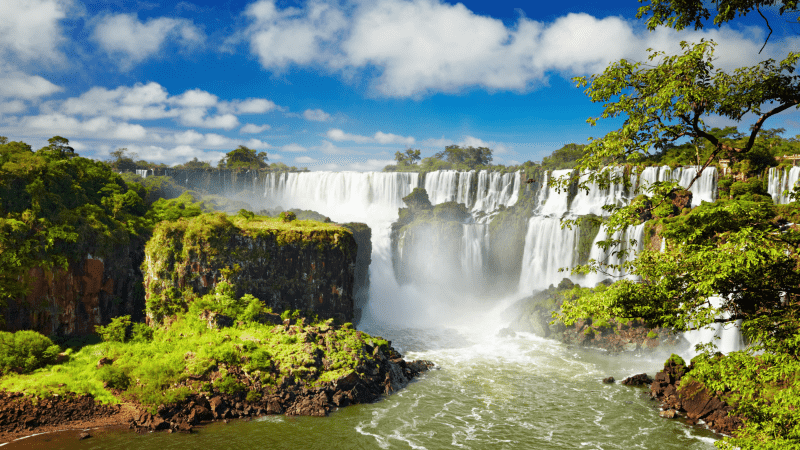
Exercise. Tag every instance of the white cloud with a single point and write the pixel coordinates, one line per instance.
(292, 35)
(195, 98)
(98, 127)
(379, 138)
(132, 41)
(316, 115)
(293, 148)
(304, 160)
(30, 30)
(16, 84)
(410, 48)
(252, 128)
(175, 155)
(196, 117)
(249, 106)
(12, 107)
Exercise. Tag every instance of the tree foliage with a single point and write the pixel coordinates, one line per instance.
(735, 259)
(55, 207)
(244, 158)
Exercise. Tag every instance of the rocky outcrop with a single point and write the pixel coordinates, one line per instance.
(534, 314)
(309, 266)
(691, 398)
(21, 414)
(390, 374)
(89, 292)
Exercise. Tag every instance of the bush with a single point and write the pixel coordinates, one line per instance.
(287, 216)
(228, 385)
(25, 351)
(116, 331)
(122, 330)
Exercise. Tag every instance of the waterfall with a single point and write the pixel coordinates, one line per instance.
(781, 180)
(612, 256)
(593, 200)
(142, 172)
(548, 247)
(727, 337)
(703, 190)
(475, 248)
(441, 186)
(555, 202)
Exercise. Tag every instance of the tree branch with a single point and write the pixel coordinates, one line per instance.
(770, 29)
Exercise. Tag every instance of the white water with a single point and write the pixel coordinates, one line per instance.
(779, 181)
(704, 188)
(374, 198)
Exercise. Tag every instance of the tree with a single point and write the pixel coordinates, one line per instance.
(244, 158)
(470, 156)
(123, 161)
(409, 157)
(195, 164)
(58, 148)
(740, 250)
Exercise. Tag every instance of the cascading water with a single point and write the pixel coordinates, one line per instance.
(779, 181)
(489, 391)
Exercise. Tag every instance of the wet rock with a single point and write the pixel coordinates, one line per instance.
(84, 435)
(668, 414)
(609, 380)
(641, 379)
(506, 332)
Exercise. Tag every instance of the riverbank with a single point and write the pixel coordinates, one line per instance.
(25, 415)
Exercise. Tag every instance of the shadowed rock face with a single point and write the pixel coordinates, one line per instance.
(312, 272)
(88, 293)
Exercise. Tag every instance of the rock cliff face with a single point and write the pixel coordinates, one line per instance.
(88, 293)
(298, 265)
(363, 236)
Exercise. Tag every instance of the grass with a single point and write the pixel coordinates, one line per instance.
(191, 358)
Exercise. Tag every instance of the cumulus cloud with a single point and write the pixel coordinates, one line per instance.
(410, 48)
(316, 115)
(305, 160)
(30, 29)
(378, 138)
(132, 41)
(15, 84)
(252, 128)
(293, 35)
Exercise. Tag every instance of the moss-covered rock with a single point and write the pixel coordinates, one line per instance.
(288, 265)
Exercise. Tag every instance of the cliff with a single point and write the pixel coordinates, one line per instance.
(287, 265)
(88, 292)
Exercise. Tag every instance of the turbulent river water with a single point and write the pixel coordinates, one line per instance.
(487, 392)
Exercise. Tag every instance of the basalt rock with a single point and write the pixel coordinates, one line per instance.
(89, 292)
(691, 399)
(310, 267)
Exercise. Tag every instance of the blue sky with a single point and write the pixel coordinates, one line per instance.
(326, 84)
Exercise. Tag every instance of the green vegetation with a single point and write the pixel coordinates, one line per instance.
(190, 357)
(739, 248)
(55, 207)
(175, 245)
(243, 158)
(25, 351)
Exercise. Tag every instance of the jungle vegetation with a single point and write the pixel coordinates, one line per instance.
(740, 249)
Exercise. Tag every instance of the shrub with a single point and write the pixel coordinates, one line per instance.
(25, 351)
(116, 331)
(652, 334)
(228, 385)
(253, 396)
(287, 216)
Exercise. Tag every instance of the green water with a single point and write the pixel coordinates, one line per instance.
(487, 393)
